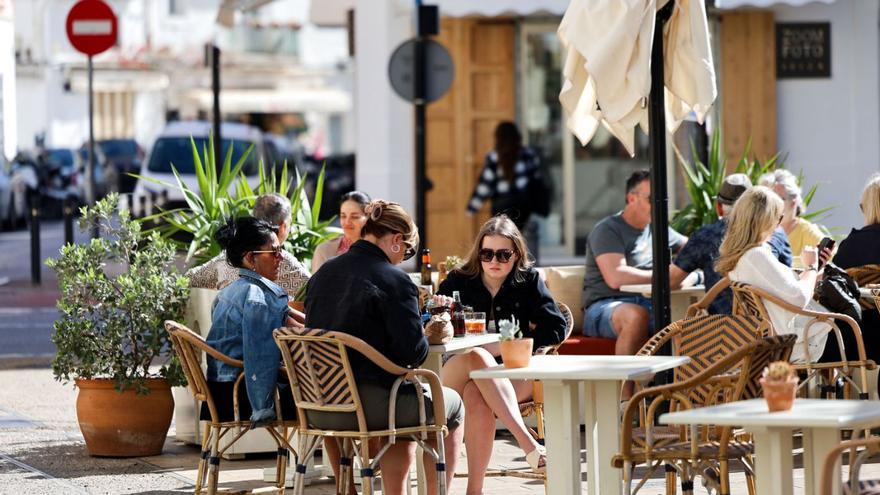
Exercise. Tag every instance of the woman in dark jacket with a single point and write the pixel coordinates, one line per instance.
(498, 279)
(364, 294)
(862, 247)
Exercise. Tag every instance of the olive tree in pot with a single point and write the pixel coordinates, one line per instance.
(116, 292)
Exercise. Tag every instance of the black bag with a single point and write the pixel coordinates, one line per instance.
(839, 292)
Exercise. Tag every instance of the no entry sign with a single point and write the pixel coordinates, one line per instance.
(91, 27)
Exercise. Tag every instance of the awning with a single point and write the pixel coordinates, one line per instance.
(283, 100)
(735, 4)
(333, 12)
(330, 12)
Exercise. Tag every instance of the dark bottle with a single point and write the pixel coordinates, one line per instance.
(457, 310)
(426, 267)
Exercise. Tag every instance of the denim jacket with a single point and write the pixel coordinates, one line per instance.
(244, 315)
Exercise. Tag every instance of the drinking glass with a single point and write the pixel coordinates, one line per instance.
(475, 323)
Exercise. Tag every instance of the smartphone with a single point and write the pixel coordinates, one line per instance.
(826, 242)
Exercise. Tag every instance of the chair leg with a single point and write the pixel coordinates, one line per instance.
(627, 477)
(687, 483)
(203, 460)
(345, 465)
(281, 459)
(671, 478)
(366, 470)
(724, 477)
(214, 461)
(441, 464)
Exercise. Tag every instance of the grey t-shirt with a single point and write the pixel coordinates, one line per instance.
(614, 235)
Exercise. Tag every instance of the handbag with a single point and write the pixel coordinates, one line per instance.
(839, 292)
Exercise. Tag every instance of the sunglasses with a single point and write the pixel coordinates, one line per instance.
(409, 252)
(502, 255)
(276, 251)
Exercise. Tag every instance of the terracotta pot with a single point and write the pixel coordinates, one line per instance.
(516, 353)
(779, 394)
(298, 305)
(124, 424)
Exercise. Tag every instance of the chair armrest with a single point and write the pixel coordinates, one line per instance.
(701, 307)
(436, 392)
(872, 444)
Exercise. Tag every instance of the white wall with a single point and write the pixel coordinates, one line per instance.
(9, 129)
(384, 142)
(830, 128)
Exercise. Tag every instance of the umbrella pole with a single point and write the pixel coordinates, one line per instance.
(659, 196)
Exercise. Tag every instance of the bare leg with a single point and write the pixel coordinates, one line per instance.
(452, 451)
(630, 323)
(479, 434)
(395, 465)
(498, 394)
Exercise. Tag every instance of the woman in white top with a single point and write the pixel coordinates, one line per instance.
(745, 257)
(352, 219)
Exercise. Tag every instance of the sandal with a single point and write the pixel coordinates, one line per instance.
(537, 459)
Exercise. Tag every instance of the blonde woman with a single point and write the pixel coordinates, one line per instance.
(497, 278)
(801, 233)
(745, 257)
(352, 219)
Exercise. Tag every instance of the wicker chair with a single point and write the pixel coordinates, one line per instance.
(854, 486)
(321, 379)
(750, 300)
(701, 307)
(536, 405)
(867, 275)
(189, 347)
(732, 375)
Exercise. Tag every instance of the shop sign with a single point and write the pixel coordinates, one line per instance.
(803, 50)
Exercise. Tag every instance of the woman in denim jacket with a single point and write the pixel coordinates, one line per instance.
(244, 315)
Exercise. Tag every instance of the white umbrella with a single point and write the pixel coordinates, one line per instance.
(607, 65)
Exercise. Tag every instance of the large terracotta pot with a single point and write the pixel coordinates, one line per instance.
(779, 394)
(516, 353)
(124, 424)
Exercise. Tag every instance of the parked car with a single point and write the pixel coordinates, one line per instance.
(173, 147)
(105, 176)
(124, 156)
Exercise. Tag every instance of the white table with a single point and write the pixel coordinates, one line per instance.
(602, 377)
(679, 299)
(820, 421)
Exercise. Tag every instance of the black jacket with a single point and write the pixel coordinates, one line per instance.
(362, 294)
(861, 247)
(530, 301)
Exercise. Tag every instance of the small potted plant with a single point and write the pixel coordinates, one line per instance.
(515, 350)
(779, 382)
(116, 292)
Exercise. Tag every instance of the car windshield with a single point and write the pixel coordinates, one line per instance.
(178, 151)
(115, 148)
(59, 158)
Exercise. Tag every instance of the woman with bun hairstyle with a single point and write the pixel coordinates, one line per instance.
(352, 219)
(363, 293)
(245, 314)
(498, 278)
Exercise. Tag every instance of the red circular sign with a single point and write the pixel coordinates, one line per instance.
(91, 26)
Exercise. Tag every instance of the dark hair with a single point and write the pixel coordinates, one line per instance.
(508, 143)
(241, 235)
(358, 197)
(637, 178)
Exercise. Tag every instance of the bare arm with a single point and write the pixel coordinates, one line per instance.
(616, 272)
(676, 276)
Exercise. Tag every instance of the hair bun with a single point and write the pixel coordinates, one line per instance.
(226, 233)
(374, 210)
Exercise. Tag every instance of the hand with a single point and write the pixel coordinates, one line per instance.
(824, 257)
(809, 256)
(290, 322)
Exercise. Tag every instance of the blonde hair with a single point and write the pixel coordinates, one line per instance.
(500, 225)
(754, 213)
(386, 217)
(870, 202)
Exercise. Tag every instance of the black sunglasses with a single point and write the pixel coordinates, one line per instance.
(409, 252)
(503, 255)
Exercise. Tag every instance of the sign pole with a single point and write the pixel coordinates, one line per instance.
(420, 103)
(90, 168)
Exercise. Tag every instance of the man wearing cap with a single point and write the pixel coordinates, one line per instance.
(701, 251)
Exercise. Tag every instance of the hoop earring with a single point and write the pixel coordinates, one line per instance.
(395, 248)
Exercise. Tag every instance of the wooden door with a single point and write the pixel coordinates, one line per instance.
(460, 126)
(748, 84)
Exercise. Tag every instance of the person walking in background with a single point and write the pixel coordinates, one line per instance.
(217, 273)
(352, 220)
(701, 250)
(620, 252)
(509, 178)
(801, 233)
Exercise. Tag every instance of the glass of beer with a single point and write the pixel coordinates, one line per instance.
(475, 323)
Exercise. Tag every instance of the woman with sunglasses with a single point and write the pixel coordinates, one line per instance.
(499, 279)
(244, 316)
(364, 294)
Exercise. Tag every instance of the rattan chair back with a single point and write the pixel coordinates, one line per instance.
(866, 275)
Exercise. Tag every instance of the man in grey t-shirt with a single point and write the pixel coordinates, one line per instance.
(619, 252)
